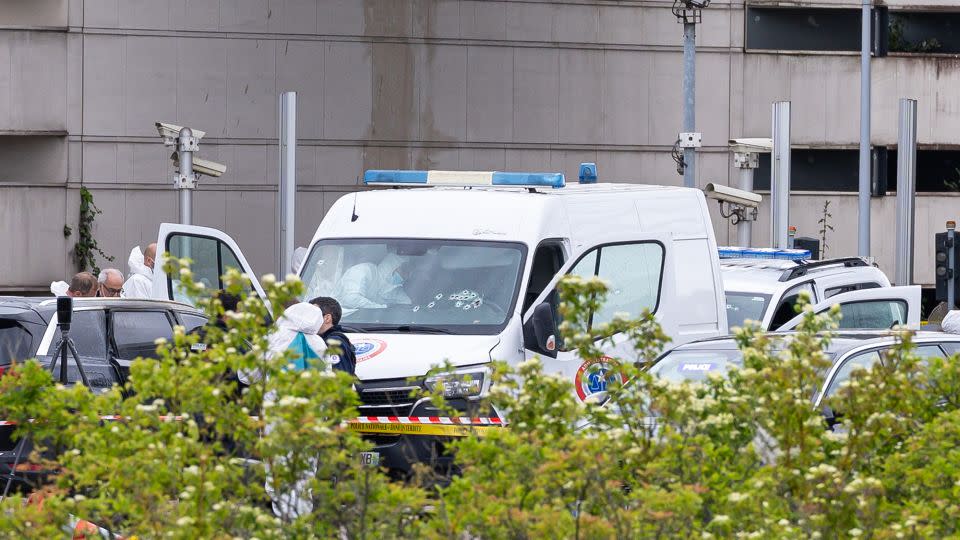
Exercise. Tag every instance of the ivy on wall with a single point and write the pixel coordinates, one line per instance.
(86, 249)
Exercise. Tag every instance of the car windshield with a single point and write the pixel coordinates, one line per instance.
(745, 306)
(417, 285)
(696, 365)
(15, 342)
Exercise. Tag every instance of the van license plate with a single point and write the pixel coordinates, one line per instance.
(370, 459)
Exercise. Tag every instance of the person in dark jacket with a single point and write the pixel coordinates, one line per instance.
(338, 343)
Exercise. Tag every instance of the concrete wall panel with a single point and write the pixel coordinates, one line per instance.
(300, 69)
(38, 255)
(150, 85)
(201, 81)
(490, 94)
(33, 76)
(581, 96)
(443, 93)
(347, 91)
(251, 89)
(536, 111)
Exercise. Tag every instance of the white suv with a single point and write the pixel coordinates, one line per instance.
(767, 290)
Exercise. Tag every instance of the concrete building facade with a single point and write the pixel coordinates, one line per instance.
(434, 84)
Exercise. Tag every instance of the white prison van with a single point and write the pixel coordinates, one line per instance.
(461, 267)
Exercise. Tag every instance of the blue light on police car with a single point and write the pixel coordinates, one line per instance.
(588, 173)
(763, 253)
(463, 178)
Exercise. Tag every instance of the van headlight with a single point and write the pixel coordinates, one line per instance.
(456, 385)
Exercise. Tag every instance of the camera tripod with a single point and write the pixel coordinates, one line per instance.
(60, 354)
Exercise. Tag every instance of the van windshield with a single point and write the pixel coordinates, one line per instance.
(417, 285)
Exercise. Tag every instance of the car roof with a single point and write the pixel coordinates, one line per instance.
(768, 276)
(47, 304)
(840, 342)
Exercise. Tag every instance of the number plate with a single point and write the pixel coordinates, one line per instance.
(370, 459)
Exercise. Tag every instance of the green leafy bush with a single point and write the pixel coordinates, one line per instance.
(743, 456)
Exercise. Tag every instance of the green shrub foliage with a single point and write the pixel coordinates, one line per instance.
(741, 456)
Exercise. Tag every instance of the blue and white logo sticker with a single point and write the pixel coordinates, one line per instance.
(367, 348)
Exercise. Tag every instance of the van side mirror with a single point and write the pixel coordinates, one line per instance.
(545, 329)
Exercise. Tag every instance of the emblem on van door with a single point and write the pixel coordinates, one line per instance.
(367, 348)
(594, 376)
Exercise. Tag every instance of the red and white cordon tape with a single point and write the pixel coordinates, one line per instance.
(452, 426)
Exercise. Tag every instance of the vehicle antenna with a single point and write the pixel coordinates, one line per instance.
(354, 217)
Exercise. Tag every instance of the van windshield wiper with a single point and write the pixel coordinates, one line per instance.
(402, 328)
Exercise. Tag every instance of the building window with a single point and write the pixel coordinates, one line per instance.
(802, 29)
(938, 171)
(815, 170)
(924, 32)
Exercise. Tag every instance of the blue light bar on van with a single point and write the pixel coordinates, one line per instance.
(763, 253)
(462, 178)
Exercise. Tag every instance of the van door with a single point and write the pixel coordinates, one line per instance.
(639, 272)
(212, 252)
(881, 308)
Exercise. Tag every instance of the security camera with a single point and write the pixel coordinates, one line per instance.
(759, 146)
(170, 132)
(201, 166)
(730, 195)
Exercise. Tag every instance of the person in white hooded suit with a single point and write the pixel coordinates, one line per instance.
(368, 285)
(140, 282)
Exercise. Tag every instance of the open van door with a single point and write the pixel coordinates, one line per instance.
(639, 271)
(874, 309)
(212, 252)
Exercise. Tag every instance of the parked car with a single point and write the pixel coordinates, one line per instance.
(109, 333)
(849, 351)
(767, 290)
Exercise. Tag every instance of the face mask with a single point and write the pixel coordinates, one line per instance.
(395, 279)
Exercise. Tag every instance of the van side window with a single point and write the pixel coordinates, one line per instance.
(210, 258)
(849, 288)
(547, 261)
(881, 314)
(633, 272)
(787, 308)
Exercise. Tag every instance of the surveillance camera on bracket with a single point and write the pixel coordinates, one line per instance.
(732, 195)
(170, 132)
(755, 145)
(736, 204)
(201, 166)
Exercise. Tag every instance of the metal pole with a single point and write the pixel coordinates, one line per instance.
(780, 175)
(288, 180)
(186, 181)
(747, 162)
(863, 238)
(689, 99)
(906, 190)
(745, 227)
(951, 266)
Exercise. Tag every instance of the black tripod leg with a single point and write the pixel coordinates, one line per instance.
(76, 358)
(55, 357)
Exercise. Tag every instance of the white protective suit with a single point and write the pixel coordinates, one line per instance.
(367, 285)
(140, 282)
(303, 318)
(298, 258)
(951, 322)
(59, 288)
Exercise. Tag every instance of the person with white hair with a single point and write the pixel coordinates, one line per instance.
(110, 283)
